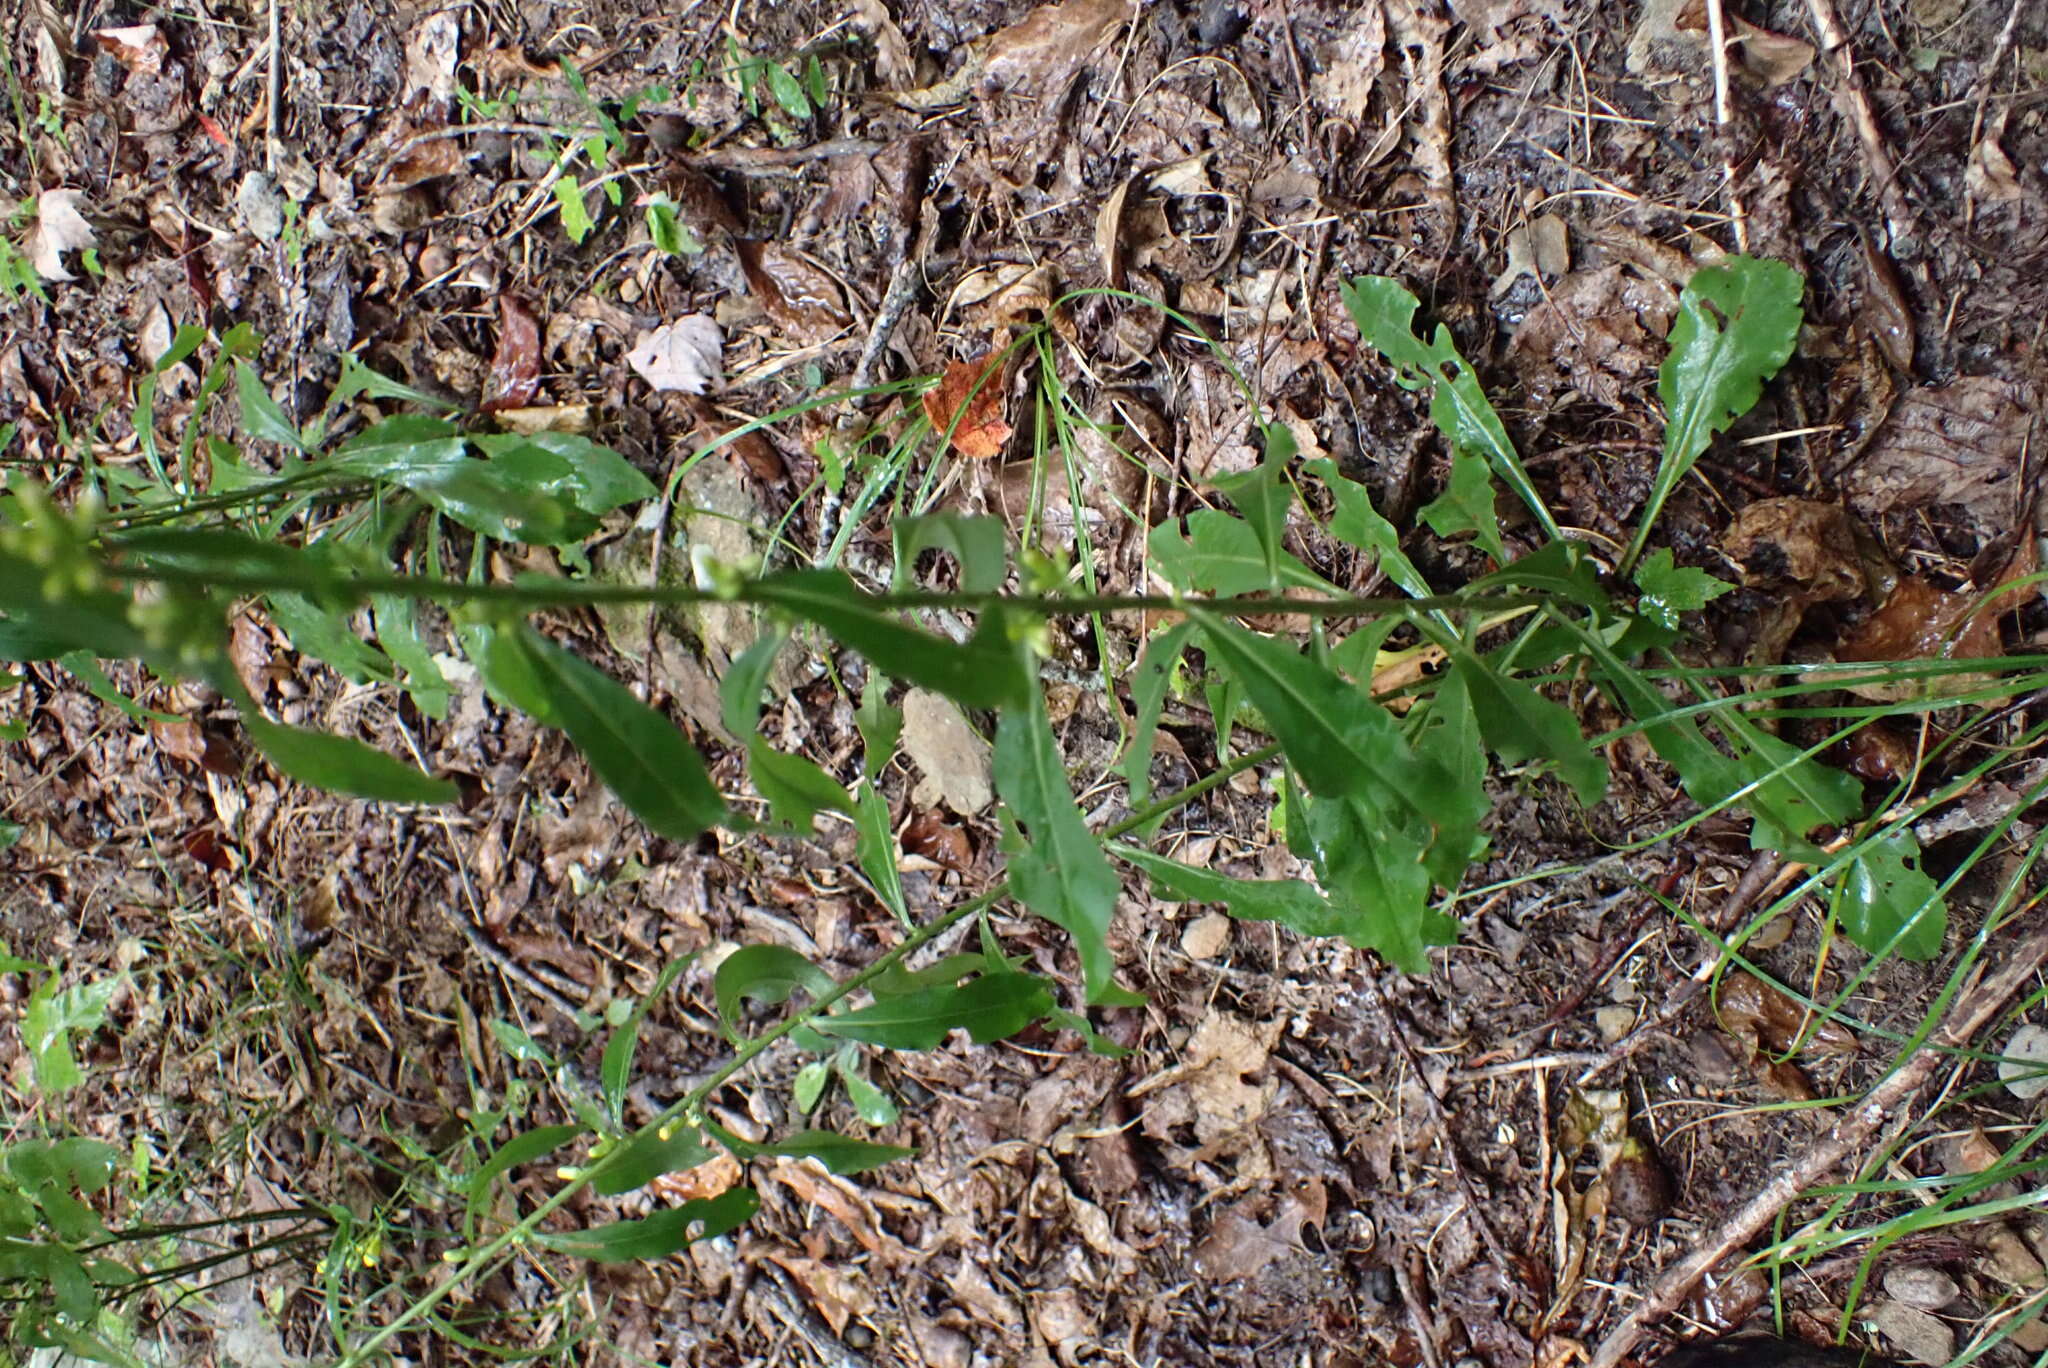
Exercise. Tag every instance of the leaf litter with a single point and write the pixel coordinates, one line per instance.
(1191, 1201)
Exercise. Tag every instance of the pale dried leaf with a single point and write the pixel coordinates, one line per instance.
(60, 228)
(430, 57)
(954, 761)
(683, 355)
(893, 62)
(138, 47)
(1349, 65)
(1043, 51)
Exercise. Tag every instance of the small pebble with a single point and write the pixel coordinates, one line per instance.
(1915, 1334)
(1927, 1289)
(1206, 936)
(1614, 1022)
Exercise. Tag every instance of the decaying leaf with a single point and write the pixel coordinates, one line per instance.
(1772, 58)
(1599, 332)
(430, 57)
(892, 54)
(1959, 443)
(1769, 1025)
(968, 403)
(1048, 47)
(138, 47)
(1918, 621)
(545, 418)
(683, 355)
(515, 365)
(1990, 173)
(60, 228)
(1349, 63)
(803, 300)
(954, 761)
(1240, 1245)
(1801, 542)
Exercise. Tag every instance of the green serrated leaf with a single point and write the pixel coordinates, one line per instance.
(976, 543)
(1059, 871)
(1149, 685)
(1221, 554)
(1521, 725)
(576, 220)
(988, 672)
(51, 1016)
(1888, 904)
(1385, 314)
(262, 418)
(1466, 505)
(659, 1235)
(1668, 590)
(640, 755)
(992, 1007)
(1263, 495)
(1377, 882)
(1738, 322)
(1355, 521)
(1336, 738)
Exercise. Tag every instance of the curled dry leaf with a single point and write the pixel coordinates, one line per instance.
(803, 300)
(893, 62)
(1803, 542)
(544, 418)
(754, 450)
(424, 161)
(138, 47)
(1768, 1025)
(684, 355)
(430, 57)
(515, 366)
(1885, 314)
(60, 228)
(967, 403)
(1919, 621)
(1048, 47)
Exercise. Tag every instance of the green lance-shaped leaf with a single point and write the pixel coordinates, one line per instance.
(615, 1068)
(341, 764)
(840, 1154)
(523, 1148)
(1355, 521)
(1056, 865)
(1293, 903)
(1738, 322)
(1521, 725)
(990, 1007)
(1264, 495)
(1385, 314)
(659, 1235)
(639, 754)
(651, 1153)
(1149, 686)
(988, 672)
(600, 478)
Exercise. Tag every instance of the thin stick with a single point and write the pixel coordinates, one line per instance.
(1717, 40)
(1853, 102)
(1976, 1007)
(272, 120)
(1998, 51)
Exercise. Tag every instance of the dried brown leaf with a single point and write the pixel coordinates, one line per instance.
(515, 365)
(1960, 443)
(1769, 1022)
(893, 62)
(1047, 48)
(683, 355)
(800, 296)
(1803, 542)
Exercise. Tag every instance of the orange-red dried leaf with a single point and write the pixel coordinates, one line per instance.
(980, 432)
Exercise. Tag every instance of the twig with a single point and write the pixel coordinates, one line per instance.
(780, 1292)
(1717, 41)
(1419, 1318)
(765, 158)
(1854, 103)
(1976, 1006)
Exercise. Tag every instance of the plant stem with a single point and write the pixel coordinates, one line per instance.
(764, 593)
